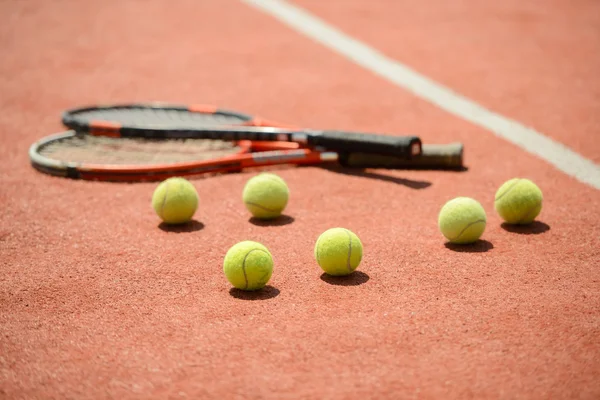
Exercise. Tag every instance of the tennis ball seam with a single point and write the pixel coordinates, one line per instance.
(527, 214)
(508, 189)
(349, 250)
(164, 200)
(244, 264)
(261, 206)
(467, 227)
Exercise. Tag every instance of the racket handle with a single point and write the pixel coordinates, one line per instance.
(406, 147)
(433, 156)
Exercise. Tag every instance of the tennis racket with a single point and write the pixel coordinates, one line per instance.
(167, 121)
(108, 156)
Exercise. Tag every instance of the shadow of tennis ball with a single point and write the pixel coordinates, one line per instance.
(191, 226)
(279, 221)
(266, 293)
(480, 246)
(354, 279)
(534, 228)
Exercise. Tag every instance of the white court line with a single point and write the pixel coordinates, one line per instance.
(527, 138)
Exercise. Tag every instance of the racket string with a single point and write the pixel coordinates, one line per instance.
(159, 117)
(103, 150)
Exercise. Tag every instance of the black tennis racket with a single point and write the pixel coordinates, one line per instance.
(167, 121)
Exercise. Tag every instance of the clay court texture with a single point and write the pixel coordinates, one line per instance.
(99, 300)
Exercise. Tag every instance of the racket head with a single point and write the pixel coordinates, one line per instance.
(111, 119)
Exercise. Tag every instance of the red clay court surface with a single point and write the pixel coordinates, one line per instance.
(98, 300)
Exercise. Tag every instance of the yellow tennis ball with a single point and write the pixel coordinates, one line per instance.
(175, 200)
(338, 251)
(462, 220)
(248, 265)
(518, 201)
(266, 195)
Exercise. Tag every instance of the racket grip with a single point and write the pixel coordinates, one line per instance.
(405, 147)
(433, 156)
